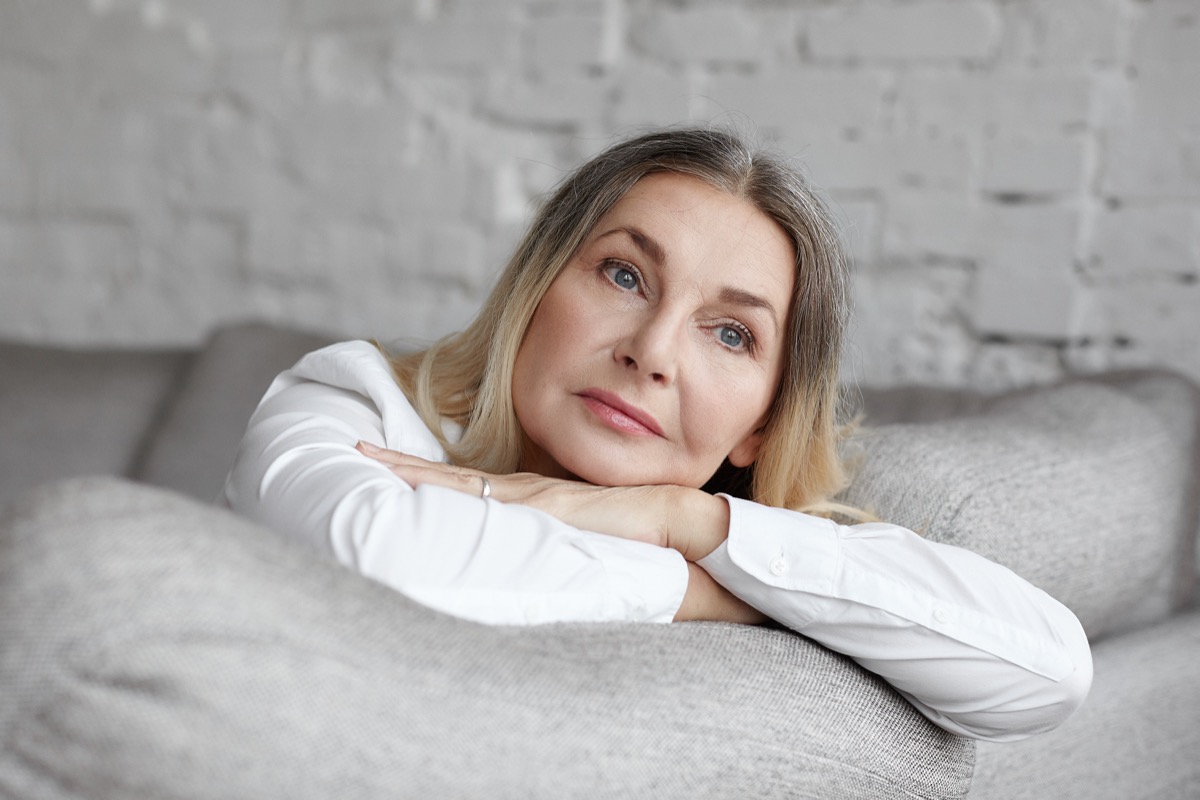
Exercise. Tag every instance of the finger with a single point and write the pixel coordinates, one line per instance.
(387, 456)
(450, 478)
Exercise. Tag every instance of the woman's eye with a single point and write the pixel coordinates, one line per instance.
(622, 276)
(734, 337)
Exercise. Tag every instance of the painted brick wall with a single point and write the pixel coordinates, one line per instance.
(1019, 179)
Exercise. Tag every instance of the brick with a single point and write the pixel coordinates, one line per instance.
(261, 82)
(416, 315)
(1065, 32)
(77, 250)
(872, 163)
(233, 24)
(648, 96)
(452, 252)
(1169, 100)
(345, 132)
(561, 100)
(456, 44)
(1025, 103)
(1153, 321)
(1167, 33)
(924, 224)
(119, 183)
(703, 34)
(52, 308)
(907, 326)
(800, 102)
(423, 189)
(859, 222)
(1027, 305)
(1032, 167)
(569, 42)
(1027, 240)
(17, 186)
(203, 252)
(350, 67)
(113, 64)
(1151, 164)
(999, 367)
(232, 171)
(920, 31)
(1149, 240)
(372, 13)
(46, 31)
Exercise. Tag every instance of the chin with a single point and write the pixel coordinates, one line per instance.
(623, 474)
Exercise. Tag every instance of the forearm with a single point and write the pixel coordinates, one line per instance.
(977, 649)
(708, 600)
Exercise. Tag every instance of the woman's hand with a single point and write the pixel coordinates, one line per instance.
(688, 520)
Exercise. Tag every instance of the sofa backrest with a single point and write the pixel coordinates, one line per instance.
(1088, 489)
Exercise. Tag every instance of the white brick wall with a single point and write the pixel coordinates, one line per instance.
(1019, 179)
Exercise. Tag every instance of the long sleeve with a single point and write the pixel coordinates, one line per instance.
(974, 647)
(298, 473)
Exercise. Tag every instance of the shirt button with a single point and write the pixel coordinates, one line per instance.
(941, 615)
(778, 566)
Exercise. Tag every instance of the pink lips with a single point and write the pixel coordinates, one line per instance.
(618, 414)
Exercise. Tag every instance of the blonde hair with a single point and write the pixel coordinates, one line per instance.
(467, 377)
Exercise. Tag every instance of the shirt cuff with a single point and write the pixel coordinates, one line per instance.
(755, 560)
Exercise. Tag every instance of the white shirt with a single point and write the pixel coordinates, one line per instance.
(975, 648)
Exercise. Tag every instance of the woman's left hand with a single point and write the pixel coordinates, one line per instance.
(688, 520)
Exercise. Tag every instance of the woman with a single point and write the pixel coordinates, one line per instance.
(641, 425)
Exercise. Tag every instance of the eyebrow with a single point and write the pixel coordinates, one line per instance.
(648, 245)
(741, 297)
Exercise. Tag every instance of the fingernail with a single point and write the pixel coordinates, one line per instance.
(367, 446)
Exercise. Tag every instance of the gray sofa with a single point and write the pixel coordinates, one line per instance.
(152, 645)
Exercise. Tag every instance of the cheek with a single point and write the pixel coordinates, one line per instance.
(728, 409)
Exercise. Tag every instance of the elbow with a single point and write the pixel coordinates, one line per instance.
(1045, 706)
(1070, 692)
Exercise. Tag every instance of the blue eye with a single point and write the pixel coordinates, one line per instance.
(731, 337)
(623, 277)
(736, 337)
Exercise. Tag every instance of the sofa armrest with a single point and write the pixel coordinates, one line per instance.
(167, 648)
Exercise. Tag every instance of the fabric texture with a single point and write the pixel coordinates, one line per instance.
(193, 446)
(66, 412)
(1080, 488)
(1148, 754)
(169, 649)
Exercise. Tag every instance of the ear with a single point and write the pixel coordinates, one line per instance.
(745, 452)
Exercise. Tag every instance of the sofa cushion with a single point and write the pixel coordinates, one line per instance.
(193, 447)
(72, 412)
(165, 648)
(1136, 736)
(1087, 489)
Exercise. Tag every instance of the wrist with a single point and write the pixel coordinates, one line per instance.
(700, 524)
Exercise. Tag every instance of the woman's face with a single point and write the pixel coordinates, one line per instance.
(656, 353)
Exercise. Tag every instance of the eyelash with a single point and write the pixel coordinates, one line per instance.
(611, 266)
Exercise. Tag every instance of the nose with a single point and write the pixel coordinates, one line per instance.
(652, 347)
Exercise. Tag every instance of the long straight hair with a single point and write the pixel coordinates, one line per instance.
(467, 377)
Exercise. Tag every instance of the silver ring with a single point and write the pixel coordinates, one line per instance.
(486, 490)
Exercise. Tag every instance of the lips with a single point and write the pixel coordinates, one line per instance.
(620, 415)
